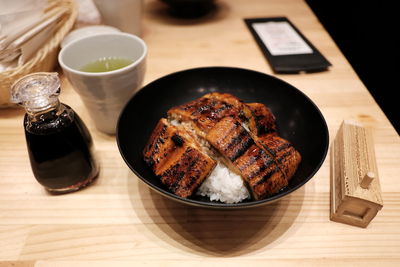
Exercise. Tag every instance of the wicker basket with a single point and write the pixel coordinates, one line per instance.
(46, 58)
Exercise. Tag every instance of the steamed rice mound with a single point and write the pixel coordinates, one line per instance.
(224, 185)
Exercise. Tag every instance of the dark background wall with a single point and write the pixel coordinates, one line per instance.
(368, 34)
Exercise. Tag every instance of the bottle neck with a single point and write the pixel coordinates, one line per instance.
(52, 109)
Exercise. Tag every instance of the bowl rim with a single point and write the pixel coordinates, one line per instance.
(220, 205)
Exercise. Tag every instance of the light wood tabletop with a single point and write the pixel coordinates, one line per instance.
(119, 221)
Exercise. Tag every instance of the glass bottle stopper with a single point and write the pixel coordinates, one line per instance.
(37, 91)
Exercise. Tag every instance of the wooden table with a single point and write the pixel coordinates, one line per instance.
(119, 221)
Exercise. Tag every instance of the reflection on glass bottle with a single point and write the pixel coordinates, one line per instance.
(59, 144)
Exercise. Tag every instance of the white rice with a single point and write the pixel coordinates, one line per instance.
(246, 127)
(175, 122)
(224, 185)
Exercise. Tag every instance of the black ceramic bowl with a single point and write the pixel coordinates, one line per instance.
(298, 120)
(189, 8)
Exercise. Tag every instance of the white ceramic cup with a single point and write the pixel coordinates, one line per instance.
(105, 93)
(87, 31)
(126, 15)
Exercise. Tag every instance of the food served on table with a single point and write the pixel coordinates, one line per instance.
(220, 147)
(177, 158)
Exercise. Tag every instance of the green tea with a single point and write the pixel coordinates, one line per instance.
(106, 64)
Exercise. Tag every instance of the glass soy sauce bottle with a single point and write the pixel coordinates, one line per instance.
(59, 144)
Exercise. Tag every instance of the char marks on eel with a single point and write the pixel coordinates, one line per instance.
(221, 126)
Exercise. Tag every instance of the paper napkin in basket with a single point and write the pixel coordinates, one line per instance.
(25, 29)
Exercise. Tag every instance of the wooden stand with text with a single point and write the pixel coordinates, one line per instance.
(355, 189)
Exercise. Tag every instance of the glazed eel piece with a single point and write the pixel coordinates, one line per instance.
(284, 153)
(177, 159)
(261, 121)
(209, 109)
(258, 168)
(215, 114)
(203, 113)
(264, 160)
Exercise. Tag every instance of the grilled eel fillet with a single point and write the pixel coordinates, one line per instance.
(208, 110)
(261, 121)
(257, 116)
(266, 164)
(177, 159)
(265, 161)
(203, 113)
(287, 157)
(259, 170)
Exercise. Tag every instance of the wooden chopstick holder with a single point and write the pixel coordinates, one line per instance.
(354, 187)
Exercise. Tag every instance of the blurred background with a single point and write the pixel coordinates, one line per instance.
(365, 32)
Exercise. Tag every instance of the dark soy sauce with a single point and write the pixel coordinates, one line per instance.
(59, 147)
